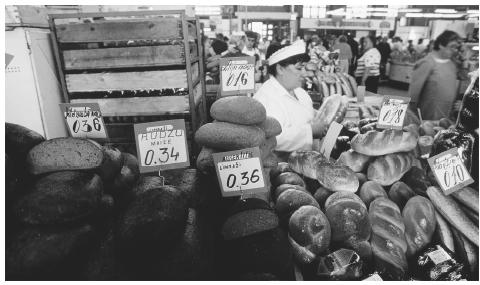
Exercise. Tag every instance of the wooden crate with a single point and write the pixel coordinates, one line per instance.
(132, 53)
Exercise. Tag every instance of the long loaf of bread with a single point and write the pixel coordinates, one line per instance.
(388, 242)
(376, 143)
(389, 168)
(333, 176)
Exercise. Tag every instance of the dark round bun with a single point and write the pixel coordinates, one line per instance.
(371, 190)
(290, 200)
(288, 178)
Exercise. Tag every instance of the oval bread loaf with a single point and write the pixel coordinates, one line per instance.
(61, 154)
(227, 136)
(370, 191)
(238, 110)
(389, 168)
(271, 127)
(290, 200)
(354, 160)
(376, 143)
(400, 193)
(419, 219)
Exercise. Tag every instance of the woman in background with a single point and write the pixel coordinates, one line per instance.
(368, 66)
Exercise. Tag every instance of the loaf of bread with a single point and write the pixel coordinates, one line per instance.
(271, 160)
(128, 176)
(309, 233)
(419, 219)
(290, 200)
(375, 143)
(61, 154)
(333, 108)
(241, 110)
(349, 222)
(60, 198)
(389, 168)
(111, 165)
(400, 193)
(19, 140)
(284, 187)
(205, 161)
(288, 178)
(333, 176)
(371, 190)
(271, 127)
(227, 136)
(388, 242)
(354, 160)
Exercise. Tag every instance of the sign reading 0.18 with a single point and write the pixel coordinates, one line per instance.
(237, 75)
(84, 120)
(392, 112)
(449, 170)
(240, 172)
(161, 145)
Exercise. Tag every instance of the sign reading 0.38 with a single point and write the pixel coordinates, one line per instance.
(239, 172)
(161, 145)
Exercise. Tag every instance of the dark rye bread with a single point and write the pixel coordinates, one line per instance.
(271, 127)
(47, 254)
(205, 162)
(61, 154)
(153, 220)
(112, 164)
(128, 175)
(60, 197)
(248, 217)
(241, 110)
(19, 140)
(227, 136)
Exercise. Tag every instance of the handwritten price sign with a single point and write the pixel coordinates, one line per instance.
(237, 75)
(84, 120)
(330, 139)
(161, 145)
(240, 172)
(449, 170)
(393, 112)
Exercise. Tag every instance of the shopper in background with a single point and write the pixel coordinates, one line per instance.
(433, 87)
(385, 50)
(316, 49)
(368, 66)
(345, 53)
(354, 46)
(410, 47)
(262, 47)
(251, 44)
(420, 47)
(286, 101)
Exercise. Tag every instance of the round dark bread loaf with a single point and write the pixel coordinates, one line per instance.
(371, 190)
(271, 127)
(309, 233)
(284, 187)
(61, 198)
(290, 200)
(248, 217)
(128, 176)
(241, 110)
(400, 193)
(111, 165)
(288, 178)
(321, 195)
(349, 222)
(228, 136)
(362, 178)
(19, 140)
(205, 161)
(280, 168)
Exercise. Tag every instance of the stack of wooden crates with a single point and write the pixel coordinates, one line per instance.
(138, 66)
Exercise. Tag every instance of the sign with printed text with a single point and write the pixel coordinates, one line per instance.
(84, 120)
(237, 75)
(330, 139)
(240, 172)
(361, 93)
(449, 170)
(161, 145)
(392, 112)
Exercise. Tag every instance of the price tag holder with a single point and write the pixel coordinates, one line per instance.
(237, 75)
(449, 170)
(330, 139)
(392, 112)
(84, 120)
(361, 94)
(161, 145)
(240, 172)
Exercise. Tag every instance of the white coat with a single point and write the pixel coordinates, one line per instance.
(294, 115)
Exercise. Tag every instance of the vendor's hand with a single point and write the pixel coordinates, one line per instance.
(319, 130)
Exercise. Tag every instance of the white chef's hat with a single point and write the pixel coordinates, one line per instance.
(298, 47)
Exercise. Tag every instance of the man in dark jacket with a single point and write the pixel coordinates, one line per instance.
(385, 50)
(354, 46)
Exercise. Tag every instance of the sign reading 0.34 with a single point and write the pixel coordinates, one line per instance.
(161, 145)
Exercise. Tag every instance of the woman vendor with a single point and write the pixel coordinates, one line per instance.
(286, 101)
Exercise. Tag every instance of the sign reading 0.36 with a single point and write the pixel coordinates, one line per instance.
(161, 145)
(84, 120)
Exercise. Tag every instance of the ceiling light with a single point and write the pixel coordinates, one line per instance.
(409, 10)
(473, 11)
(445, 11)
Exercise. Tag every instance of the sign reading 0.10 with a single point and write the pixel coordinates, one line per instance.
(237, 75)
(449, 170)
(392, 112)
(239, 172)
(161, 145)
(84, 120)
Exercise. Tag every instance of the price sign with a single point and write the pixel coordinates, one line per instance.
(237, 75)
(330, 139)
(161, 145)
(392, 112)
(84, 120)
(240, 172)
(361, 94)
(449, 170)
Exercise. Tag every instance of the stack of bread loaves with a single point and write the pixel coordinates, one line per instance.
(240, 122)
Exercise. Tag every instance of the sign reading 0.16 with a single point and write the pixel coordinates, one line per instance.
(84, 120)
(392, 112)
(161, 145)
(237, 75)
(449, 170)
(240, 172)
